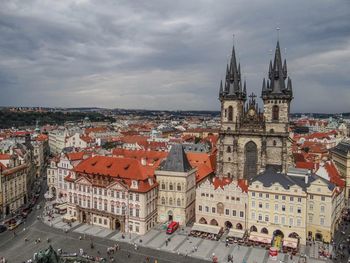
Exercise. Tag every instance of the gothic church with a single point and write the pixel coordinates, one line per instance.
(250, 140)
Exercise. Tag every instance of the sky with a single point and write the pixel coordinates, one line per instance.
(169, 55)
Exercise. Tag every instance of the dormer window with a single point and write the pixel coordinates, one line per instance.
(134, 184)
(150, 181)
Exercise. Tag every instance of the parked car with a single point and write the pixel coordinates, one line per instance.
(2, 228)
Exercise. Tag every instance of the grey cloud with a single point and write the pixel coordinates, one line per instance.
(168, 54)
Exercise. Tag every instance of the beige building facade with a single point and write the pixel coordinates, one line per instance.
(222, 202)
(177, 188)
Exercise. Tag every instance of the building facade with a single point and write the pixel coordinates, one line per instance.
(341, 157)
(116, 193)
(177, 187)
(222, 202)
(251, 140)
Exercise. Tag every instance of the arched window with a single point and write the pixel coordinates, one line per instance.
(275, 113)
(179, 187)
(163, 200)
(178, 202)
(171, 187)
(163, 185)
(230, 113)
(170, 201)
(274, 143)
(228, 149)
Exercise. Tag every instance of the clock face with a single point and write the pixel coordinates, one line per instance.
(251, 112)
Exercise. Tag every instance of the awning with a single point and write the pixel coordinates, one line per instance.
(237, 233)
(62, 206)
(206, 228)
(260, 237)
(69, 217)
(290, 242)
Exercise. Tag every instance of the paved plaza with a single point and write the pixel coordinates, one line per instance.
(180, 243)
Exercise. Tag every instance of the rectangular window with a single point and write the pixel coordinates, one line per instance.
(233, 212)
(253, 215)
(137, 197)
(276, 219)
(100, 220)
(291, 199)
(105, 192)
(291, 209)
(131, 196)
(299, 210)
(200, 208)
(323, 198)
(267, 196)
(283, 220)
(105, 206)
(276, 197)
(267, 206)
(298, 222)
(241, 214)
(311, 207)
(95, 204)
(276, 207)
(213, 209)
(260, 217)
(260, 205)
(95, 219)
(283, 208)
(131, 211)
(105, 222)
(311, 218)
(322, 209)
(112, 209)
(260, 195)
(321, 221)
(291, 221)
(117, 195)
(299, 199)
(283, 197)
(207, 209)
(266, 218)
(100, 191)
(253, 204)
(112, 193)
(227, 212)
(253, 194)
(137, 212)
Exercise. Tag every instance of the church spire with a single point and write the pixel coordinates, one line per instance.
(276, 86)
(233, 86)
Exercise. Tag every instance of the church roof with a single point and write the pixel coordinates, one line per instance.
(276, 87)
(176, 160)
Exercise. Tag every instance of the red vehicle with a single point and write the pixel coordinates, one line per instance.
(172, 227)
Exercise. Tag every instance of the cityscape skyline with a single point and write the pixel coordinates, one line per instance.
(162, 56)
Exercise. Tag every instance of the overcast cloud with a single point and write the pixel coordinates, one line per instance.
(169, 54)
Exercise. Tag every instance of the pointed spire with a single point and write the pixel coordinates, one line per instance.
(285, 69)
(221, 89)
(289, 85)
(264, 85)
(245, 89)
(270, 70)
(176, 160)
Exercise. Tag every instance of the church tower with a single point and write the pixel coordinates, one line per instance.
(277, 96)
(250, 141)
(232, 97)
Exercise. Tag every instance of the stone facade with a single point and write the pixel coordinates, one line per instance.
(177, 188)
(250, 140)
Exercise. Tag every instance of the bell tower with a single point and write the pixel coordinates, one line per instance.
(232, 97)
(277, 96)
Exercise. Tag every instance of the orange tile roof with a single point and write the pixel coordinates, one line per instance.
(74, 156)
(305, 165)
(333, 174)
(42, 137)
(5, 156)
(95, 130)
(125, 169)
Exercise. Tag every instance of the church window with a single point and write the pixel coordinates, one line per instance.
(171, 187)
(228, 149)
(230, 113)
(251, 160)
(275, 113)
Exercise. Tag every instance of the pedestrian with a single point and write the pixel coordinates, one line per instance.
(166, 243)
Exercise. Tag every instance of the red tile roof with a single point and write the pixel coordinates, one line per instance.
(5, 156)
(333, 174)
